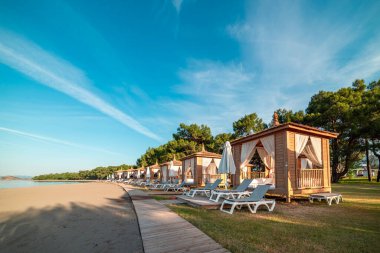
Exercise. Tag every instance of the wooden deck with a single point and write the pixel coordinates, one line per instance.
(201, 202)
(164, 231)
(162, 192)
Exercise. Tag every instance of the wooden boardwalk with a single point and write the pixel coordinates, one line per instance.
(164, 231)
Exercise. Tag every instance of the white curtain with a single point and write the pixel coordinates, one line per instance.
(205, 163)
(312, 150)
(310, 154)
(317, 146)
(268, 143)
(164, 173)
(304, 163)
(265, 157)
(217, 162)
(189, 164)
(173, 172)
(247, 152)
(300, 141)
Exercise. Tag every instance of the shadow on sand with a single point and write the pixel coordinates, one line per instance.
(75, 228)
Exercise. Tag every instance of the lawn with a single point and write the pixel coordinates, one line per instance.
(351, 226)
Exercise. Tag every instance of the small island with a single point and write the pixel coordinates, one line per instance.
(11, 178)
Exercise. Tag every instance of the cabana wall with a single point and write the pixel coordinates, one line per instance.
(291, 176)
(196, 169)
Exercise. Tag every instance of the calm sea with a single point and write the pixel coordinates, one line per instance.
(28, 183)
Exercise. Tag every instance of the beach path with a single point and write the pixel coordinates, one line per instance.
(85, 217)
(164, 231)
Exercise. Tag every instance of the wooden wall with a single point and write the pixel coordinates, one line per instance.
(280, 161)
(292, 166)
(326, 163)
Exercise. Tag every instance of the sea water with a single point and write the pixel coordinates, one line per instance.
(28, 183)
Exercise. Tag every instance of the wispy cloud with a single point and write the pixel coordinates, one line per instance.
(287, 56)
(54, 140)
(177, 5)
(60, 75)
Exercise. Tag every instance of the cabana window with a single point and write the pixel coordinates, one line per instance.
(210, 174)
(309, 161)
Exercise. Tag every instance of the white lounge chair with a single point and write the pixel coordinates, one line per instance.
(176, 188)
(255, 200)
(237, 193)
(206, 190)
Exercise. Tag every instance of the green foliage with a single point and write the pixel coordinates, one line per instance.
(219, 141)
(199, 134)
(94, 174)
(249, 122)
(285, 116)
(353, 113)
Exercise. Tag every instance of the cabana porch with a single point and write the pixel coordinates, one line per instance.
(296, 159)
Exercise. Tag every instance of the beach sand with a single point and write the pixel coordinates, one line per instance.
(87, 217)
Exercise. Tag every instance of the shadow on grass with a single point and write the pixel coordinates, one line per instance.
(74, 228)
(290, 228)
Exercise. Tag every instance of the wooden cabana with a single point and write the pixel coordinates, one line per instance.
(296, 159)
(120, 174)
(155, 172)
(170, 173)
(196, 169)
(136, 173)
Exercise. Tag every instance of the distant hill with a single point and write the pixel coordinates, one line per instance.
(11, 178)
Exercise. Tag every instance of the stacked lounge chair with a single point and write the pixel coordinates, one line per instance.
(237, 193)
(255, 200)
(206, 190)
(176, 188)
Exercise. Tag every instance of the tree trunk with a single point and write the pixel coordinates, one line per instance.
(367, 158)
(335, 161)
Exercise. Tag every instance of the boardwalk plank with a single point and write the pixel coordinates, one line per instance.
(164, 231)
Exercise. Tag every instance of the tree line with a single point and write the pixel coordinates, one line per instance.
(94, 174)
(353, 112)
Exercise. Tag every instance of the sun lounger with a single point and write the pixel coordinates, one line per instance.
(179, 187)
(329, 197)
(237, 193)
(255, 200)
(206, 190)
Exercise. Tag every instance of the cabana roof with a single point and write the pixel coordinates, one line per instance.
(118, 171)
(155, 166)
(288, 126)
(175, 162)
(203, 153)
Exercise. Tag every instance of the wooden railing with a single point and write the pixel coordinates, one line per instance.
(310, 178)
(256, 174)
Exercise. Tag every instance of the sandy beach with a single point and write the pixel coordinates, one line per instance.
(87, 217)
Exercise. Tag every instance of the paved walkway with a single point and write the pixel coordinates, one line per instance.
(164, 231)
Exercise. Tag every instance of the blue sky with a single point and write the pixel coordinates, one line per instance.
(95, 83)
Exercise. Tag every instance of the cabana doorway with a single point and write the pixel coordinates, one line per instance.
(260, 167)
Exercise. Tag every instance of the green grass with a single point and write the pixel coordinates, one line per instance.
(160, 197)
(361, 180)
(351, 226)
